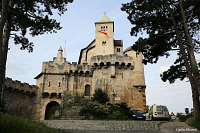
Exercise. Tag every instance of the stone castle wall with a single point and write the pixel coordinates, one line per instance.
(20, 98)
(102, 64)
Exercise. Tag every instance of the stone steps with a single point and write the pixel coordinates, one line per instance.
(72, 113)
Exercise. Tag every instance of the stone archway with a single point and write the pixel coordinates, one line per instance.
(51, 108)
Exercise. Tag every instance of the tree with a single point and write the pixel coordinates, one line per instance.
(21, 17)
(170, 25)
(100, 96)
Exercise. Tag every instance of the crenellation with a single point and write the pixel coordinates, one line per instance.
(102, 64)
(19, 86)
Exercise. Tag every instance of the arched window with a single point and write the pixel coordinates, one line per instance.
(106, 29)
(104, 43)
(118, 49)
(87, 90)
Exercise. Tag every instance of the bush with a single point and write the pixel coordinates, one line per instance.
(100, 96)
(194, 122)
(106, 111)
(181, 117)
(54, 117)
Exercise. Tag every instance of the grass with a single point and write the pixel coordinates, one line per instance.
(194, 123)
(13, 124)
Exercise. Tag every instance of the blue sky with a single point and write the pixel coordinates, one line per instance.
(78, 31)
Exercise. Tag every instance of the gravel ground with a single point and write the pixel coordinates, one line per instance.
(102, 125)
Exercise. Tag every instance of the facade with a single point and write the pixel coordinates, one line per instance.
(102, 64)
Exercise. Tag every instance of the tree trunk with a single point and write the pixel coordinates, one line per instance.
(194, 85)
(2, 25)
(190, 49)
(196, 103)
(5, 51)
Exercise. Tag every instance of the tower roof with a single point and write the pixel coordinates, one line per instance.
(60, 49)
(104, 19)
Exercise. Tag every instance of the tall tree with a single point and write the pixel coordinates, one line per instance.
(21, 17)
(170, 25)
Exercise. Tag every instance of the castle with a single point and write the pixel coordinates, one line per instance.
(102, 64)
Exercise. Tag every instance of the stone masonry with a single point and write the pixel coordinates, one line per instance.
(102, 64)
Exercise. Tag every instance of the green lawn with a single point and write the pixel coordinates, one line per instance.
(13, 124)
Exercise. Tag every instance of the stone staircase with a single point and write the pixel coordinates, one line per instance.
(72, 113)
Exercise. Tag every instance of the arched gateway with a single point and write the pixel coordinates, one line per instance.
(51, 109)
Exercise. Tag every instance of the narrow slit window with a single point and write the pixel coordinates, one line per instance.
(49, 84)
(59, 84)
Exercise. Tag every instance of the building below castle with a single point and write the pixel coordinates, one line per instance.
(102, 64)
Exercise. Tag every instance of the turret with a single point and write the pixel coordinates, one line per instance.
(59, 57)
(138, 70)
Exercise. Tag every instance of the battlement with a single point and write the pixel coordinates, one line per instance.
(15, 85)
(112, 60)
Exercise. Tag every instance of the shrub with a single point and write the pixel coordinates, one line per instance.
(181, 117)
(194, 122)
(106, 111)
(54, 117)
(100, 96)
(125, 110)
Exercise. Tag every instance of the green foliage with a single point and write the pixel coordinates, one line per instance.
(13, 124)
(194, 122)
(181, 117)
(70, 100)
(106, 111)
(54, 117)
(33, 17)
(153, 18)
(100, 96)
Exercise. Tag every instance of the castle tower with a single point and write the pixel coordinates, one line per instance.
(138, 71)
(59, 57)
(104, 36)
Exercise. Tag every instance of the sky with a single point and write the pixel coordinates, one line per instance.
(78, 31)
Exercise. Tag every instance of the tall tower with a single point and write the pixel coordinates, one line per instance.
(104, 36)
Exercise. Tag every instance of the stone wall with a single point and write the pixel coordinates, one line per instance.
(20, 99)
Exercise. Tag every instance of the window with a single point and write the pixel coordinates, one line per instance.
(59, 84)
(87, 90)
(104, 43)
(49, 84)
(118, 49)
(104, 28)
(101, 28)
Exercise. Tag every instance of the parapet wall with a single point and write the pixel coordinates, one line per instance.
(21, 87)
(20, 98)
(112, 59)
